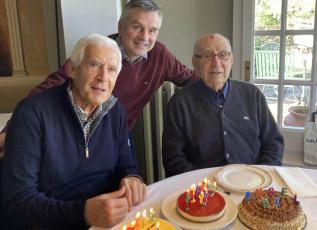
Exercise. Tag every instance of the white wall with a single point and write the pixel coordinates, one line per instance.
(81, 17)
(185, 20)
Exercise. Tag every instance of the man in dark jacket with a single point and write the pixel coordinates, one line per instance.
(68, 164)
(218, 121)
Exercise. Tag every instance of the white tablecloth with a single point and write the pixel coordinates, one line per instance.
(157, 192)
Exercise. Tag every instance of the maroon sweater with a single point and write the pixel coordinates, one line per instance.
(137, 82)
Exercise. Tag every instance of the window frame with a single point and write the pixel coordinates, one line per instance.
(243, 45)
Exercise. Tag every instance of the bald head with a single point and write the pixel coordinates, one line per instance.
(211, 38)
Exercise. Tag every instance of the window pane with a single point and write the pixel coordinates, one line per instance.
(298, 57)
(266, 57)
(300, 14)
(268, 15)
(271, 94)
(295, 105)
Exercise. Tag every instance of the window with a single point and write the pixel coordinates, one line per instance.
(283, 57)
(274, 44)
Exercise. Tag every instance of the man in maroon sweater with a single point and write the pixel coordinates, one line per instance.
(146, 63)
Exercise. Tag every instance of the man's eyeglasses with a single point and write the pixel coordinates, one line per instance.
(222, 55)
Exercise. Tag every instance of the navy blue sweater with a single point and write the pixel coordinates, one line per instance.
(199, 134)
(47, 177)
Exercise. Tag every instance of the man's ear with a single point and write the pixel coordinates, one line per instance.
(71, 69)
(194, 63)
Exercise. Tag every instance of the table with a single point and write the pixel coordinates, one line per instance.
(158, 191)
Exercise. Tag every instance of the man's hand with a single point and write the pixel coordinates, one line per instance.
(135, 190)
(2, 140)
(106, 210)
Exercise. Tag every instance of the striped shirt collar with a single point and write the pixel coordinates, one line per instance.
(125, 55)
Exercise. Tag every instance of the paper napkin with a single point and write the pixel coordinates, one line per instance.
(297, 181)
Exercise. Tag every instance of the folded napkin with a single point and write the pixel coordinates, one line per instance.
(297, 181)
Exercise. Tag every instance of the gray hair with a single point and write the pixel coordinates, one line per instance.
(146, 5)
(93, 39)
(210, 34)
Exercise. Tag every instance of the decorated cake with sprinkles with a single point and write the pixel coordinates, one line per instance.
(270, 209)
(201, 203)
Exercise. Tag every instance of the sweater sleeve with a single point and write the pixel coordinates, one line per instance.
(175, 160)
(177, 72)
(23, 203)
(272, 142)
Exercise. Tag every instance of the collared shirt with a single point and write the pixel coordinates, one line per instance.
(125, 55)
(88, 123)
(219, 98)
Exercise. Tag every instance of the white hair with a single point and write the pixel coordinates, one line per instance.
(93, 39)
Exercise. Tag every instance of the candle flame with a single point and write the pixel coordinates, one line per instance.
(151, 210)
(138, 215)
(192, 186)
(157, 225)
(133, 223)
(144, 213)
(124, 227)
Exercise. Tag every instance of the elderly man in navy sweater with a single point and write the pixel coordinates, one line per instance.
(68, 162)
(218, 121)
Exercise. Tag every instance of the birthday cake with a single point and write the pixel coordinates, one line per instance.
(269, 209)
(201, 203)
(148, 222)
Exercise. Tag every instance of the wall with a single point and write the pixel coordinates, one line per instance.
(185, 20)
(81, 17)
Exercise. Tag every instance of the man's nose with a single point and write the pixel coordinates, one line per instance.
(103, 74)
(144, 34)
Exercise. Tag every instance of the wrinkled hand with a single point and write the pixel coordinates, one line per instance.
(2, 140)
(135, 190)
(106, 210)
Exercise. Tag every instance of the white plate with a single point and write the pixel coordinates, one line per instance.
(243, 178)
(169, 210)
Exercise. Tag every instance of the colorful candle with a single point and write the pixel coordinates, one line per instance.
(296, 202)
(271, 192)
(277, 202)
(265, 203)
(284, 191)
(187, 199)
(247, 196)
(201, 198)
(192, 187)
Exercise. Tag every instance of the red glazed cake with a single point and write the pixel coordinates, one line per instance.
(205, 206)
(269, 209)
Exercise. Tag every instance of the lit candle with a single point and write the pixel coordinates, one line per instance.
(157, 225)
(205, 181)
(151, 214)
(192, 187)
(197, 189)
(214, 186)
(201, 198)
(124, 227)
